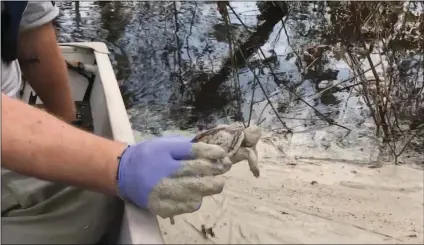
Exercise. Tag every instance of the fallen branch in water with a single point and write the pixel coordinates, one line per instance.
(204, 99)
(278, 81)
(343, 81)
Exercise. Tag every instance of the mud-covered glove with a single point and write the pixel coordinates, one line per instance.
(170, 175)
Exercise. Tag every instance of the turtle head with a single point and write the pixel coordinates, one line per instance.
(252, 134)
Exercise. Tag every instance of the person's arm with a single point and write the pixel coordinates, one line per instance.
(167, 175)
(37, 144)
(42, 62)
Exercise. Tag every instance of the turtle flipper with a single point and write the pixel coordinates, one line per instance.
(252, 135)
(245, 153)
(252, 159)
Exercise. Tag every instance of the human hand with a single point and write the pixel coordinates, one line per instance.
(170, 175)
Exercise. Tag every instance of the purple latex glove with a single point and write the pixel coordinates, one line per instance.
(170, 175)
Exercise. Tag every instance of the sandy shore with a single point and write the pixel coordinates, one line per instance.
(308, 201)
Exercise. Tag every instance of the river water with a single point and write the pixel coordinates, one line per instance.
(163, 51)
(144, 43)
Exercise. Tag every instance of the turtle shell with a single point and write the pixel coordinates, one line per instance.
(228, 138)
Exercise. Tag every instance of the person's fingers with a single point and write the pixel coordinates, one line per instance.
(204, 186)
(179, 148)
(199, 205)
(179, 137)
(168, 207)
(208, 151)
(182, 195)
(185, 150)
(188, 188)
(202, 167)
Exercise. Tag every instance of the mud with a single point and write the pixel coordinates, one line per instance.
(347, 203)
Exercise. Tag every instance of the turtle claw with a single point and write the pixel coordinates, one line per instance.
(255, 172)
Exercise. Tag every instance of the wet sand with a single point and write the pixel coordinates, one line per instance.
(308, 201)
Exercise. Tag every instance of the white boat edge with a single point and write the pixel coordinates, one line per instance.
(138, 226)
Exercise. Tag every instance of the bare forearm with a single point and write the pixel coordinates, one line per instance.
(44, 67)
(37, 144)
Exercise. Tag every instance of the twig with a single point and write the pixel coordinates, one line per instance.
(266, 96)
(288, 41)
(378, 99)
(260, 115)
(258, 81)
(231, 43)
(407, 143)
(356, 67)
(190, 32)
(303, 119)
(251, 102)
(178, 43)
(344, 81)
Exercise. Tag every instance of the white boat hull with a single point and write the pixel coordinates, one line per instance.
(110, 120)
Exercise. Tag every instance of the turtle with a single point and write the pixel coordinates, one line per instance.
(238, 141)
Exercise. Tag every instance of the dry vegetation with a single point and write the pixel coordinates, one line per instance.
(382, 42)
(387, 35)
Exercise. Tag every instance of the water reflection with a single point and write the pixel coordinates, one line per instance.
(178, 68)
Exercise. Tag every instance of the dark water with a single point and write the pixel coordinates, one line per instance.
(174, 67)
(161, 52)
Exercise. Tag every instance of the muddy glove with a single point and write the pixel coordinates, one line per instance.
(170, 175)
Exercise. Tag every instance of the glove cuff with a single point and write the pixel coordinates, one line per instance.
(119, 174)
